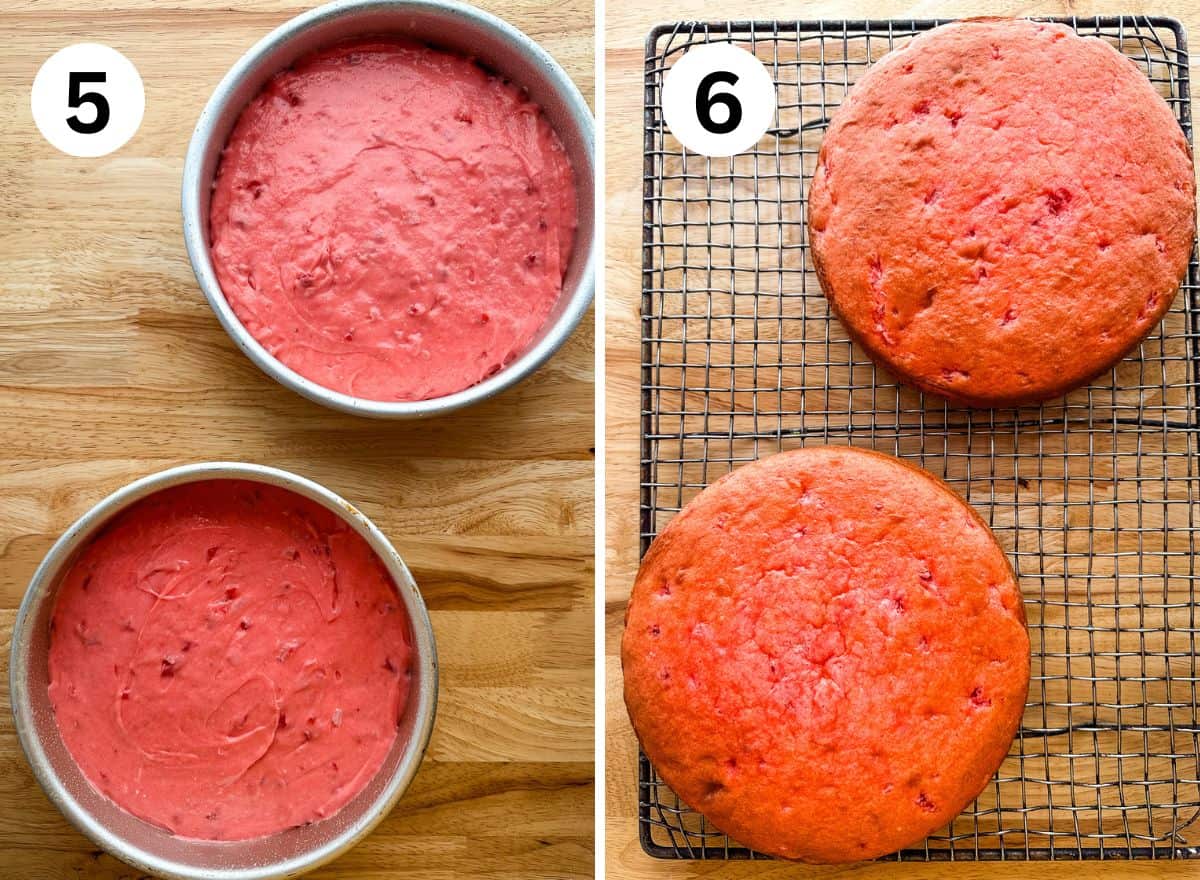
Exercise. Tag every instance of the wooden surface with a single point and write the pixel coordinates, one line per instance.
(112, 366)
(626, 26)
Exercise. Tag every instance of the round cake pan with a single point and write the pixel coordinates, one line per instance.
(148, 847)
(448, 25)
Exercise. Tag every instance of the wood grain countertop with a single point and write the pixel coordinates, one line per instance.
(626, 26)
(112, 366)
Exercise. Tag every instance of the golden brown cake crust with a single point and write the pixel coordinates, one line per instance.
(825, 653)
(1002, 210)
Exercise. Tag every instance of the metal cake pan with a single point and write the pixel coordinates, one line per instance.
(148, 847)
(449, 25)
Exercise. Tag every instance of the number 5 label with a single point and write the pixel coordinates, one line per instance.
(718, 99)
(87, 100)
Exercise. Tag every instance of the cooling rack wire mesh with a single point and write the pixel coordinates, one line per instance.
(1093, 496)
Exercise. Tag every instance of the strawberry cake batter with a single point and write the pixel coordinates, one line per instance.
(228, 660)
(392, 221)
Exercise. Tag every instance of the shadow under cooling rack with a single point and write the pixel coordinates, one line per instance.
(1092, 496)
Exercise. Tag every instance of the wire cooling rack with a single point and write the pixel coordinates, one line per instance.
(1093, 496)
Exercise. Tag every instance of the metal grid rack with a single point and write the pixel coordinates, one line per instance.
(1093, 496)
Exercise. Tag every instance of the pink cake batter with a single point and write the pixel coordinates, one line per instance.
(392, 221)
(228, 660)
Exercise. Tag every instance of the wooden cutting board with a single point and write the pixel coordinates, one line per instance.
(626, 26)
(112, 367)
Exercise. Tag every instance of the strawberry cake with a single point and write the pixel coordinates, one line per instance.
(1001, 210)
(825, 653)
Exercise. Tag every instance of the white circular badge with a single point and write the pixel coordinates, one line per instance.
(87, 99)
(718, 99)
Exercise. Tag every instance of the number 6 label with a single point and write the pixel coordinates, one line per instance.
(718, 99)
(87, 100)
